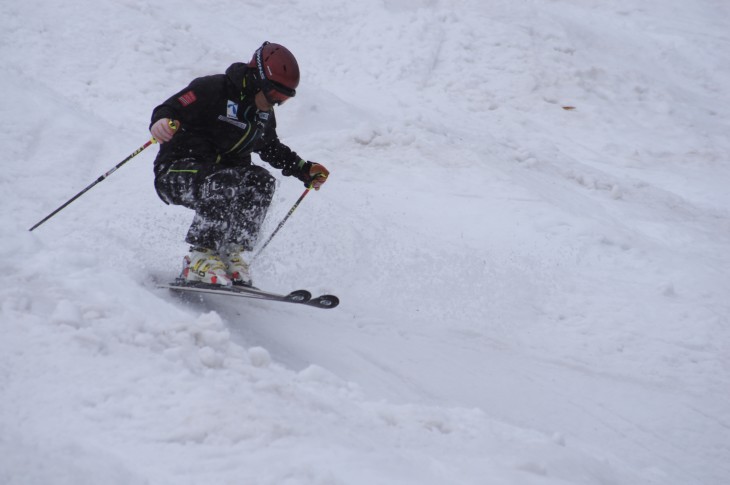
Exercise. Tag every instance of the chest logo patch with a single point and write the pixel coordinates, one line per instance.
(232, 110)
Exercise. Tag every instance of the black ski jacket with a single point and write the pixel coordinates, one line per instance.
(220, 124)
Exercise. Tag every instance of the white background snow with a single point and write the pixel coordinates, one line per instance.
(530, 294)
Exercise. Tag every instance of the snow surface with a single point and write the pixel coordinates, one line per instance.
(530, 294)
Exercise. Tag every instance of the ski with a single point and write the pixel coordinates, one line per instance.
(301, 297)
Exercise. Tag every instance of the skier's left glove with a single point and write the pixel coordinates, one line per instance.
(313, 175)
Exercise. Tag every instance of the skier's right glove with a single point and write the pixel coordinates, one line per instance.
(164, 129)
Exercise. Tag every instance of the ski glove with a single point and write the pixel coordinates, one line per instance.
(313, 175)
(164, 129)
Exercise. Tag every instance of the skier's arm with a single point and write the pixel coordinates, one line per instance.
(182, 108)
(275, 153)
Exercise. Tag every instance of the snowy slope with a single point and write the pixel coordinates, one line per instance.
(530, 294)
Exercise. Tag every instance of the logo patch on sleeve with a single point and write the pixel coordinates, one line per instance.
(187, 99)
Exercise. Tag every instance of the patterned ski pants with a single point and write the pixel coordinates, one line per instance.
(230, 203)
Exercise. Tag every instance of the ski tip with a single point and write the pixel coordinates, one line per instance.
(325, 301)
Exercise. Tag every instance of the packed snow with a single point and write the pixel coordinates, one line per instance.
(527, 222)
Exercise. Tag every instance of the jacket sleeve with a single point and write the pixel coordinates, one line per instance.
(275, 153)
(188, 104)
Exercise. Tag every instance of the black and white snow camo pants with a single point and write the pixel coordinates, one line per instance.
(230, 203)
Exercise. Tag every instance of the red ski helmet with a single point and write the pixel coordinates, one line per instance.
(276, 71)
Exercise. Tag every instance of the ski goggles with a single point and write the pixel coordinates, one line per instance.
(276, 93)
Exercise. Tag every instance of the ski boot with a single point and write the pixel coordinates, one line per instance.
(237, 268)
(205, 266)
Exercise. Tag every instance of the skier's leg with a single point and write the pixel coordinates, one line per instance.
(230, 205)
(249, 208)
(180, 184)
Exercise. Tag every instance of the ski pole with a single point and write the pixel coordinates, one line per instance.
(136, 152)
(283, 221)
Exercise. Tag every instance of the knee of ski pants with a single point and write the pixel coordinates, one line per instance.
(237, 184)
(178, 183)
(260, 182)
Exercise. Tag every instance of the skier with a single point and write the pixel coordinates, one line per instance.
(207, 133)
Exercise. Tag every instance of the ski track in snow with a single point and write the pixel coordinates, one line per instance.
(530, 294)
